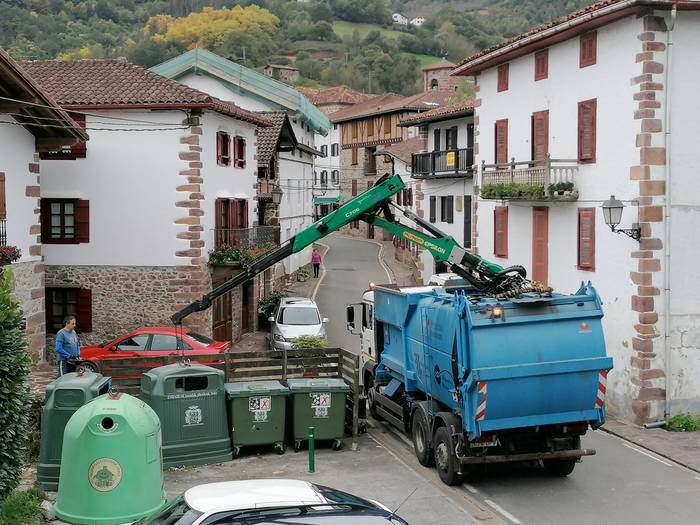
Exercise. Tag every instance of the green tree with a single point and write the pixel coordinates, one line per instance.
(15, 366)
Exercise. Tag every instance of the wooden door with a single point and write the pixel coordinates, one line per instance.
(222, 316)
(540, 241)
(247, 295)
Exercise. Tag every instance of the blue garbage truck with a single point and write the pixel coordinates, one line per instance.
(475, 380)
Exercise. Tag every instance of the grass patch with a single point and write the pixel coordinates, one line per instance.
(22, 507)
(683, 423)
(425, 60)
(343, 28)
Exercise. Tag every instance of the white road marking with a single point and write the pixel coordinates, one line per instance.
(323, 270)
(648, 455)
(379, 255)
(501, 510)
(470, 488)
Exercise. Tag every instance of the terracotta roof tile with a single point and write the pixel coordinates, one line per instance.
(116, 82)
(443, 64)
(391, 103)
(404, 149)
(443, 113)
(269, 136)
(333, 95)
(477, 61)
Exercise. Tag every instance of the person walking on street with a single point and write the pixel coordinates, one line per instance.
(316, 261)
(67, 346)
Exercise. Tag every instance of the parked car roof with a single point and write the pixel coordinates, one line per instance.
(298, 301)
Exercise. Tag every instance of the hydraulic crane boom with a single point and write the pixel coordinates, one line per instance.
(488, 278)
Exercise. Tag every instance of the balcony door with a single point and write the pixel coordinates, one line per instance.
(540, 244)
(231, 216)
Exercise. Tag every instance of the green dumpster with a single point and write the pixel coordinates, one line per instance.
(62, 399)
(190, 401)
(111, 469)
(319, 403)
(256, 411)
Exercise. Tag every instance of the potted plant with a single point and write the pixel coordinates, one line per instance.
(561, 189)
(239, 255)
(9, 254)
(303, 274)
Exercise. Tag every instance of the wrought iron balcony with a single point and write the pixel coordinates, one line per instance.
(550, 179)
(443, 164)
(245, 237)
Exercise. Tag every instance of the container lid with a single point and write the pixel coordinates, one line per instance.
(179, 370)
(255, 388)
(76, 381)
(318, 384)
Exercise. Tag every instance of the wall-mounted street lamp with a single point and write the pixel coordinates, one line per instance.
(276, 195)
(612, 213)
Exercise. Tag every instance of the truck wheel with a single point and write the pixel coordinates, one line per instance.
(445, 459)
(420, 432)
(371, 403)
(559, 467)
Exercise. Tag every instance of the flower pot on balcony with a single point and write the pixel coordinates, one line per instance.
(9, 254)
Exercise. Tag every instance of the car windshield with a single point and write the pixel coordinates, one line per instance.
(177, 512)
(298, 316)
(202, 339)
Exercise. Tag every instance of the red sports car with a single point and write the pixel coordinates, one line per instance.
(156, 342)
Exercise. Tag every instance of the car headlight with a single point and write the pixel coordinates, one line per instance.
(279, 338)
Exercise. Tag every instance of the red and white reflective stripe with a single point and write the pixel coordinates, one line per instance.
(481, 409)
(602, 384)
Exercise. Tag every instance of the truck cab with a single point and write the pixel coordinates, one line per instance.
(360, 322)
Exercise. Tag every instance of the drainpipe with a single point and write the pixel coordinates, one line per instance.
(667, 218)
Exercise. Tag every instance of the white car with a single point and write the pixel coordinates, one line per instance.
(447, 279)
(295, 317)
(270, 502)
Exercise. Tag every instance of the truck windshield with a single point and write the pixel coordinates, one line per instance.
(177, 512)
(298, 316)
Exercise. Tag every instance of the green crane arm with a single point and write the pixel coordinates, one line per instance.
(488, 278)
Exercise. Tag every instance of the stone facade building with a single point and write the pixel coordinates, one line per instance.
(603, 101)
(438, 77)
(367, 127)
(128, 219)
(22, 146)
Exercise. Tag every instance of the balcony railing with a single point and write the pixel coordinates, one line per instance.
(550, 179)
(3, 232)
(445, 163)
(246, 236)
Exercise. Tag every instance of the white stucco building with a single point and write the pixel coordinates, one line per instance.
(226, 80)
(400, 19)
(326, 187)
(441, 171)
(129, 219)
(21, 144)
(602, 102)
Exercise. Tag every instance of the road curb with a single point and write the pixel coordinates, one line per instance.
(646, 447)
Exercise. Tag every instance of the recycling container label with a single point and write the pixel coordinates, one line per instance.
(320, 402)
(105, 474)
(260, 406)
(193, 416)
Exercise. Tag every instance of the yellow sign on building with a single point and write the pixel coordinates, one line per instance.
(450, 159)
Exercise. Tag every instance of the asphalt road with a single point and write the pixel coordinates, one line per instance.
(623, 484)
(349, 266)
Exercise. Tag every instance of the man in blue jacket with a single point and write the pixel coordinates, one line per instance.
(67, 346)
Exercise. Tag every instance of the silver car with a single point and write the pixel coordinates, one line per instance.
(295, 317)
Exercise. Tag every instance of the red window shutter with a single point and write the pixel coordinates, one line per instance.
(540, 135)
(218, 233)
(542, 64)
(588, 49)
(233, 214)
(501, 137)
(218, 147)
(79, 150)
(503, 77)
(586, 239)
(3, 201)
(540, 244)
(500, 231)
(82, 221)
(239, 152)
(84, 311)
(244, 213)
(354, 187)
(587, 131)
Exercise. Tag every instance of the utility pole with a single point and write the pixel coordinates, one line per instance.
(369, 81)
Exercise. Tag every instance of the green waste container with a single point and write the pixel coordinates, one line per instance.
(319, 403)
(190, 401)
(111, 469)
(256, 411)
(62, 399)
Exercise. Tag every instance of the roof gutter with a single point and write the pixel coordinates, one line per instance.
(468, 67)
(437, 118)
